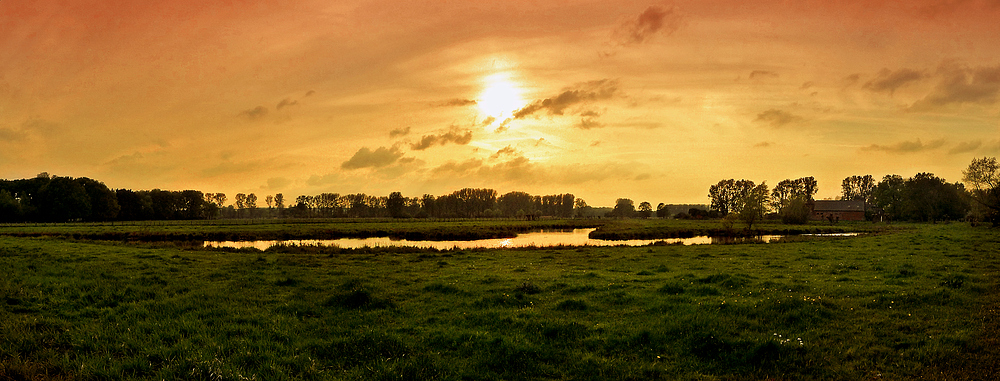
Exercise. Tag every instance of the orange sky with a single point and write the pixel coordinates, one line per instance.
(653, 101)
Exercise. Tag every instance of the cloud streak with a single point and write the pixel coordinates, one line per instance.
(889, 81)
(366, 158)
(962, 85)
(652, 21)
(905, 147)
(578, 94)
(777, 118)
(454, 136)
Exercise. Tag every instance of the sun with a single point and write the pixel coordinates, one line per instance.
(501, 95)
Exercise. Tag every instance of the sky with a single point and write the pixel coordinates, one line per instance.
(652, 101)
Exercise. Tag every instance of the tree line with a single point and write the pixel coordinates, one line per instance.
(59, 199)
(923, 197)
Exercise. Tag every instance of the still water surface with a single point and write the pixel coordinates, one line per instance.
(545, 238)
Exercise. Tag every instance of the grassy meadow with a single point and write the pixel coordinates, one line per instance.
(916, 302)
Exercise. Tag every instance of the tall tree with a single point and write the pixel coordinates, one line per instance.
(624, 207)
(252, 204)
(858, 188)
(723, 196)
(63, 199)
(889, 197)
(395, 204)
(983, 179)
(645, 209)
(754, 205)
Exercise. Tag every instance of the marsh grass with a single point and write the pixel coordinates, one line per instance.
(860, 308)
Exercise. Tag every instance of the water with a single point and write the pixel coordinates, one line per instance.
(576, 237)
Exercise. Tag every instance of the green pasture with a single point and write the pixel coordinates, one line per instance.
(908, 303)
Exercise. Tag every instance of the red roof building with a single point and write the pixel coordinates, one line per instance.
(833, 211)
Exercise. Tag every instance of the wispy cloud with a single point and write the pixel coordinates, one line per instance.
(888, 81)
(964, 147)
(457, 102)
(907, 146)
(654, 20)
(286, 103)
(962, 85)
(399, 132)
(366, 158)
(255, 113)
(761, 74)
(577, 94)
(777, 118)
(453, 136)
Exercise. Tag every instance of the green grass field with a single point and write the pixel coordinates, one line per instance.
(912, 303)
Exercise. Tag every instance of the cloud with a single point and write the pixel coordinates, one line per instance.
(454, 136)
(457, 102)
(579, 93)
(964, 147)
(588, 123)
(906, 146)
(255, 113)
(10, 134)
(276, 183)
(454, 168)
(366, 158)
(310, 92)
(399, 132)
(962, 85)
(763, 74)
(887, 81)
(285, 103)
(654, 20)
(505, 151)
(777, 118)
(852, 79)
(763, 144)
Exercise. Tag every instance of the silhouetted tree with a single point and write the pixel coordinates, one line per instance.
(983, 178)
(858, 188)
(624, 208)
(63, 199)
(889, 197)
(645, 209)
(753, 205)
(395, 204)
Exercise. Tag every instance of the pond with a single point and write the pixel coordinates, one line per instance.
(545, 238)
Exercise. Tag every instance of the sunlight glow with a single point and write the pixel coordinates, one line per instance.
(501, 95)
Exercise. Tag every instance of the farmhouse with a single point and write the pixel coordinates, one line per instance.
(833, 211)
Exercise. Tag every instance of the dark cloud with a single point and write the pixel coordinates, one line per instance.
(962, 85)
(366, 158)
(807, 85)
(580, 93)
(10, 134)
(255, 113)
(276, 183)
(851, 79)
(454, 136)
(399, 132)
(460, 168)
(763, 74)
(505, 151)
(887, 81)
(285, 103)
(777, 118)
(310, 92)
(964, 147)
(763, 145)
(29, 128)
(489, 120)
(654, 20)
(588, 123)
(458, 102)
(906, 146)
